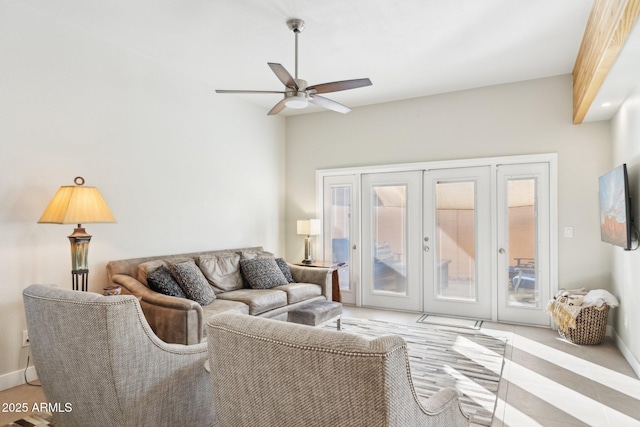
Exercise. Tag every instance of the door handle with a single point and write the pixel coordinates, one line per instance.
(426, 248)
(501, 250)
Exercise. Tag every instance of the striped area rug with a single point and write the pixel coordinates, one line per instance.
(450, 321)
(467, 360)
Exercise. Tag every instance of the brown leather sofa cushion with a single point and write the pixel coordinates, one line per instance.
(258, 300)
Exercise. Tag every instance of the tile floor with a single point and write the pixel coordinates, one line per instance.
(21, 394)
(546, 381)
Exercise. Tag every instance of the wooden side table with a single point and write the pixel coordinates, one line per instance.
(335, 279)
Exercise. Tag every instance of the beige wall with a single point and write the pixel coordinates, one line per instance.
(626, 264)
(512, 119)
(181, 168)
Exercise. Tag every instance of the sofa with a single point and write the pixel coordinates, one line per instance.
(181, 320)
(98, 359)
(298, 375)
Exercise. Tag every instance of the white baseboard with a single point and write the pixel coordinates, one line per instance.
(635, 365)
(16, 378)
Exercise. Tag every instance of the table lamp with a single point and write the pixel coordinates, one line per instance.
(78, 205)
(308, 227)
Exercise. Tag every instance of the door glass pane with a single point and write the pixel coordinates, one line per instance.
(340, 214)
(390, 238)
(455, 263)
(521, 218)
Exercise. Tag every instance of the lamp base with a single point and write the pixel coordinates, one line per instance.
(79, 258)
(308, 257)
(79, 279)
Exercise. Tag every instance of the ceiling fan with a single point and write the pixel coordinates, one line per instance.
(298, 94)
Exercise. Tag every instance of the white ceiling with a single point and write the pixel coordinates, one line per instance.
(408, 48)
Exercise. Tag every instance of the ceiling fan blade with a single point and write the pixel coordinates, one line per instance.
(283, 75)
(338, 86)
(248, 91)
(277, 108)
(323, 102)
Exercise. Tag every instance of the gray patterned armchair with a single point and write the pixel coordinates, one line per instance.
(283, 374)
(98, 358)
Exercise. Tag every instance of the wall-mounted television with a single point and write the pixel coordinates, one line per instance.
(616, 221)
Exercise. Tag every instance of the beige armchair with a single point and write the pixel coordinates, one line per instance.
(99, 360)
(271, 373)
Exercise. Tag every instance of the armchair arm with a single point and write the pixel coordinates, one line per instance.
(149, 374)
(167, 371)
(173, 319)
(318, 275)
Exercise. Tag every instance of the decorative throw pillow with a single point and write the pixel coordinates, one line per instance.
(161, 280)
(284, 267)
(262, 273)
(192, 282)
(222, 271)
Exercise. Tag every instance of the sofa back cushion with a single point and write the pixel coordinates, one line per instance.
(222, 271)
(130, 266)
(257, 252)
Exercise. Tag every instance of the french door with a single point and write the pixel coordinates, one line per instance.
(340, 214)
(465, 238)
(391, 240)
(524, 243)
(426, 241)
(457, 242)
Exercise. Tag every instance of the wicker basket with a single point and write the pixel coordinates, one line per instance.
(591, 326)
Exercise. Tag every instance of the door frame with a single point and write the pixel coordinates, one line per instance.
(551, 158)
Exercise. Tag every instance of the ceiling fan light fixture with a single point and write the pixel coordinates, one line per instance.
(297, 101)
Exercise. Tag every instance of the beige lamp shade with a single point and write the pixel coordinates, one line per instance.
(77, 204)
(308, 227)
